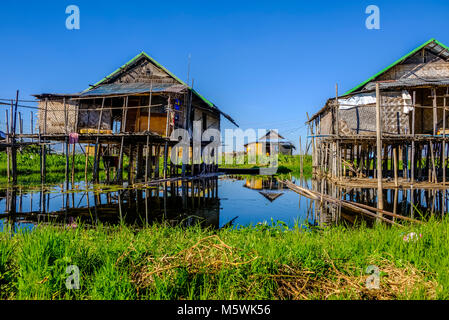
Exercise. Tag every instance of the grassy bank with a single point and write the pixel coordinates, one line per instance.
(162, 262)
(285, 164)
(29, 163)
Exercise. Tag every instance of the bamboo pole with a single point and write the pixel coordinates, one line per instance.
(434, 173)
(300, 158)
(357, 207)
(434, 111)
(395, 166)
(147, 151)
(119, 177)
(86, 162)
(412, 160)
(96, 152)
(444, 138)
(8, 149)
(380, 204)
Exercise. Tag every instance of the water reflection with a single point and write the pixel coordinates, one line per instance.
(179, 202)
(418, 204)
(213, 202)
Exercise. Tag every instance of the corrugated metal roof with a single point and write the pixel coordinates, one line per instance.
(132, 88)
(418, 82)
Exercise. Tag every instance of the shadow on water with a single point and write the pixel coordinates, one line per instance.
(228, 201)
(181, 202)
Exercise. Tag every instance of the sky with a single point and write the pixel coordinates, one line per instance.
(266, 63)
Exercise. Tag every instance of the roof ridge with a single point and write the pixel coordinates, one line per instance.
(406, 56)
(154, 61)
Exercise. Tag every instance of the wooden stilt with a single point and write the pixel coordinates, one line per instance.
(119, 177)
(395, 166)
(148, 152)
(380, 204)
(8, 149)
(444, 138)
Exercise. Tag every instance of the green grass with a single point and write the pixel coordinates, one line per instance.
(286, 164)
(164, 262)
(29, 163)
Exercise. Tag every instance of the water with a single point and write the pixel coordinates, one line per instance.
(215, 202)
(236, 201)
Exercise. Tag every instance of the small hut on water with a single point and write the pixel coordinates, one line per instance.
(393, 125)
(271, 142)
(132, 111)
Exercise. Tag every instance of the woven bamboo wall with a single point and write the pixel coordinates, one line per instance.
(55, 120)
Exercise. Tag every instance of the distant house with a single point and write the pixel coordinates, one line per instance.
(271, 140)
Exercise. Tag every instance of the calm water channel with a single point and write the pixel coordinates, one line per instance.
(217, 202)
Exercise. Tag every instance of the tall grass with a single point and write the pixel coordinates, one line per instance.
(164, 262)
(286, 164)
(28, 163)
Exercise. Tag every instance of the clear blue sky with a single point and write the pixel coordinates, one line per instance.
(266, 63)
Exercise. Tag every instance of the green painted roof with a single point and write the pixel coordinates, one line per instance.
(143, 54)
(395, 63)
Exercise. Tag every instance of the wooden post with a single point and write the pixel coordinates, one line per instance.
(96, 152)
(13, 144)
(124, 115)
(157, 154)
(167, 132)
(380, 201)
(8, 149)
(444, 138)
(147, 152)
(434, 111)
(73, 164)
(86, 162)
(395, 166)
(120, 162)
(412, 160)
(131, 165)
(434, 173)
(300, 157)
(337, 145)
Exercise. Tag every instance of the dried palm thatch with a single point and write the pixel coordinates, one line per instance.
(394, 283)
(209, 255)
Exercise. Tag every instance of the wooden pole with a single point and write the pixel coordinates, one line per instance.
(8, 150)
(395, 166)
(96, 152)
(337, 145)
(412, 160)
(73, 164)
(444, 138)
(86, 162)
(380, 202)
(167, 132)
(300, 157)
(147, 152)
(434, 173)
(13, 147)
(120, 162)
(434, 111)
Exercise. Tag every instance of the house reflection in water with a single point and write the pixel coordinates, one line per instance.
(268, 186)
(176, 203)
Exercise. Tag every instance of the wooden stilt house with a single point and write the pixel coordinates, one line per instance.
(134, 108)
(402, 110)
